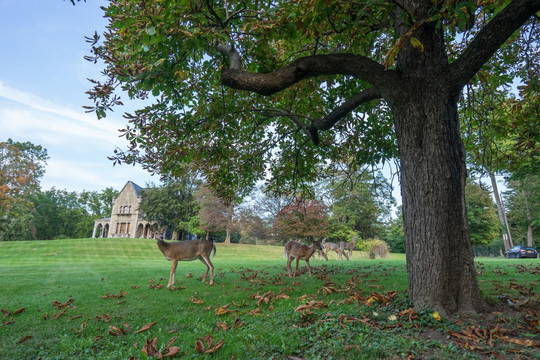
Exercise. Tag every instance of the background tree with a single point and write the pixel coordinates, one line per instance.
(99, 204)
(22, 164)
(252, 227)
(172, 205)
(481, 215)
(59, 214)
(523, 203)
(214, 214)
(394, 235)
(359, 206)
(307, 83)
(303, 219)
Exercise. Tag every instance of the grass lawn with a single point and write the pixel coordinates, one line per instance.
(106, 299)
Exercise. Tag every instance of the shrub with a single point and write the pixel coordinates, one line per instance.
(375, 247)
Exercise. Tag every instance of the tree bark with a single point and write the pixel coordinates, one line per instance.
(440, 263)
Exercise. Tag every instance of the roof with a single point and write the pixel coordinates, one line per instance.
(136, 187)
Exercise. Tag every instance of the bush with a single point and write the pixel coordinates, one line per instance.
(375, 247)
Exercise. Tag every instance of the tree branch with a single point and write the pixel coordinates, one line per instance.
(490, 39)
(341, 111)
(307, 67)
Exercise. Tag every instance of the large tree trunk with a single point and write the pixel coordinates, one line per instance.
(440, 264)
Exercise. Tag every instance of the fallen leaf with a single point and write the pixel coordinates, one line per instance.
(28, 337)
(223, 310)
(146, 327)
(150, 349)
(171, 351)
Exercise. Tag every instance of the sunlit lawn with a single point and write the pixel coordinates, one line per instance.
(88, 298)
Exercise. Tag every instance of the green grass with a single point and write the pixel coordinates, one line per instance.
(116, 283)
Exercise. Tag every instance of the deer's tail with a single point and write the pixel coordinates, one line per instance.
(213, 250)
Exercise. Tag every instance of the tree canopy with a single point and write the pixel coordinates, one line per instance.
(293, 91)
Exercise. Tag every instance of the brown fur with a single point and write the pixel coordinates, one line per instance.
(186, 251)
(295, 250)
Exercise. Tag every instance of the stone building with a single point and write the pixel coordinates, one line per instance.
(125, 220)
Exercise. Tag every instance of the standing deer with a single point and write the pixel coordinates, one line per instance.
(330, 246)
(295, 250)
(348, 246)
(186, 251)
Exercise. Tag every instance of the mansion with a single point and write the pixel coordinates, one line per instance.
(125, 220)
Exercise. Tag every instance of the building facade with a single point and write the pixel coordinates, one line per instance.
(126, 220)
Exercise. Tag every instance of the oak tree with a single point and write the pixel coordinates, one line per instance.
(249, 89)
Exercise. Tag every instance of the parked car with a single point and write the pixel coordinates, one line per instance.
(521, 252)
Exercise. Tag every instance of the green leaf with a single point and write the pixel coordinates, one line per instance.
(416, 43)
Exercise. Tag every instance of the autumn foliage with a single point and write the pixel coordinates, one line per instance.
(302, 219)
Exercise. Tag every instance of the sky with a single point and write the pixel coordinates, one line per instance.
(43, 80)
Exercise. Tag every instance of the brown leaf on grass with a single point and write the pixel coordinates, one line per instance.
(150, 349)
(58, 305)
(59, 315)
(189, 275)
(326, 290)
(18, 311)
(254, 312)
(146, 327)
(244, 303)
(237, 323)
(524, 342)
(311, 305)
(114, 331)
(75, 317)
(135, 286)
(172, 351)
(199, 347)
(208, 349)
(223, 325)
(121, 294)
(9, 322)
(223, 310)
(105, 318)
(196, 301)
(28, 337)
(5, 312)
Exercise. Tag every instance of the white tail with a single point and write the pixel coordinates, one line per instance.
(295, 250)
(348, 247)
(186, 251)
(329, 246)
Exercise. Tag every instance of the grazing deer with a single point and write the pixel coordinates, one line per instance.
(186, 251)
(295, 250)
(321, 253)
(330, 246)
(348, 246)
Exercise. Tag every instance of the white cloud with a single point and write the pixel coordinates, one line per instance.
(78, 144)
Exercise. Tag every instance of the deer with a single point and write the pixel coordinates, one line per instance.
(295, 250)
(348, 246)
(186, 251)
(330, 246)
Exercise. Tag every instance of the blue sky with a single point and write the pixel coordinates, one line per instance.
(43, 79)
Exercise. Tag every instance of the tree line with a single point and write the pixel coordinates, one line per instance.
(338, 209)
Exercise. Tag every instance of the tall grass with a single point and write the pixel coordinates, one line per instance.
(117, 288)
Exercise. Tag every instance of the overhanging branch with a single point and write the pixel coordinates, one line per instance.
(307, 67)
(490, 39)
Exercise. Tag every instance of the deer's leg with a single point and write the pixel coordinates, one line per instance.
(289, 260)
(209, 266)
(173, 271)
(346, 256)
(308, 267)
(296, 270)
